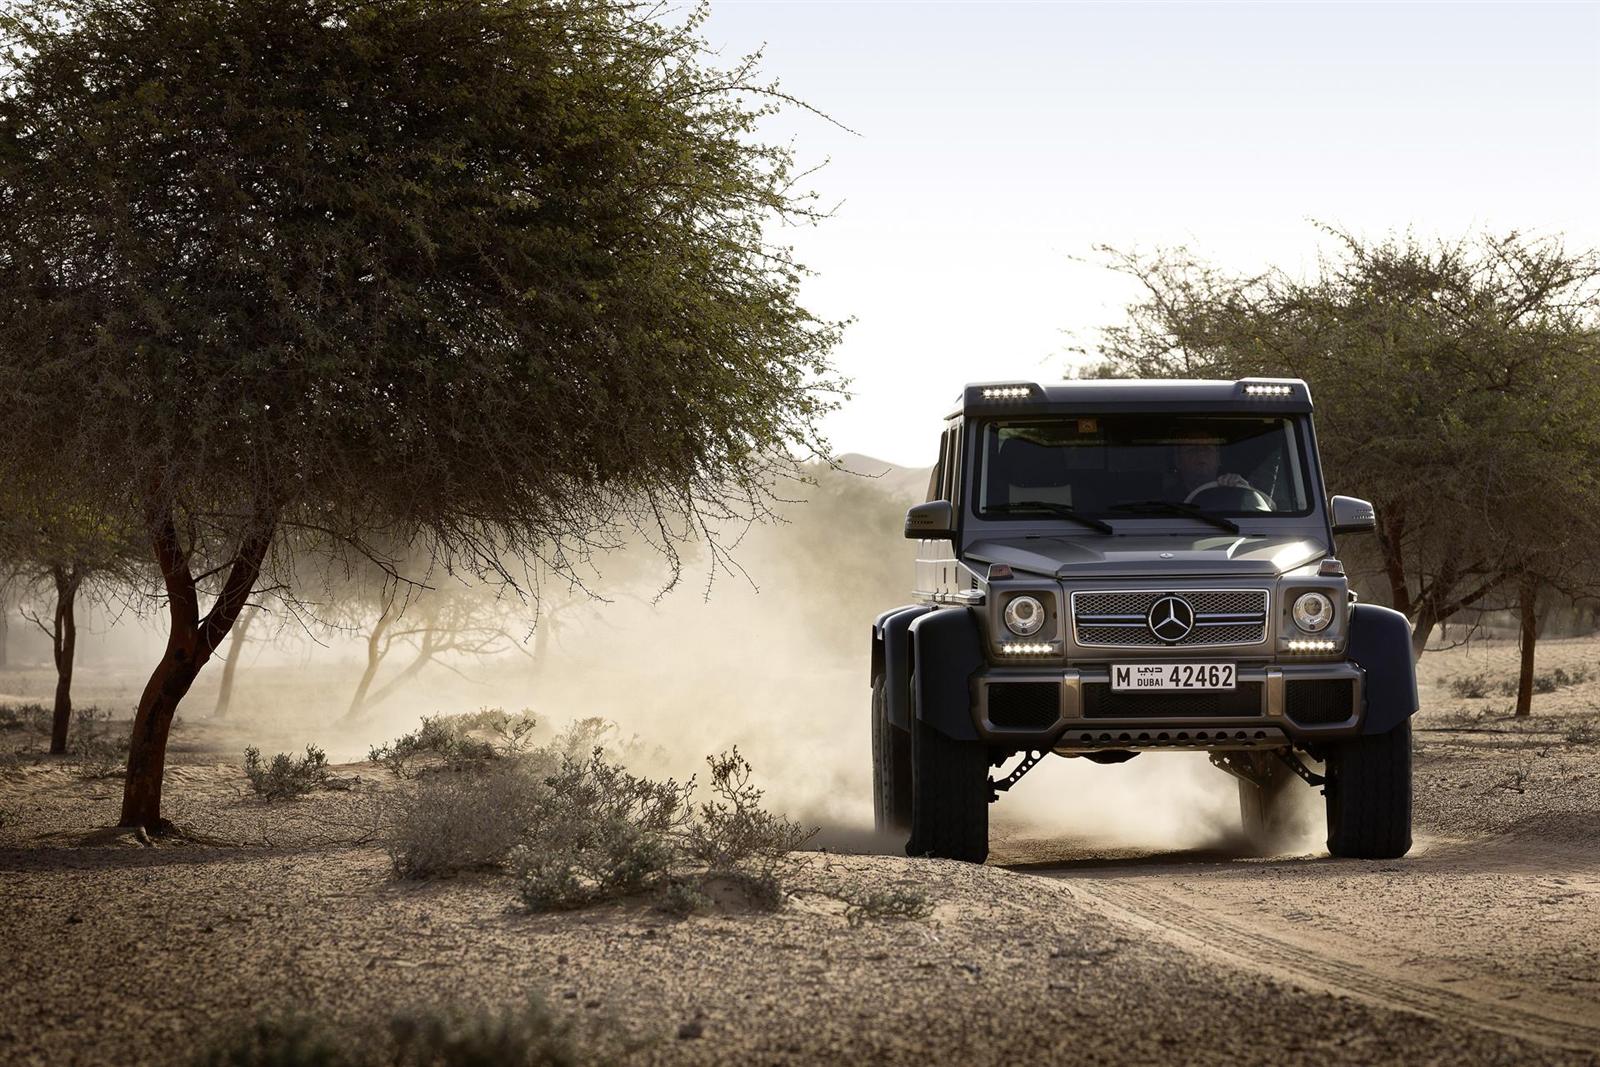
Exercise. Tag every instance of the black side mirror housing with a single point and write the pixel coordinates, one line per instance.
(1351, 515)
(935, 519)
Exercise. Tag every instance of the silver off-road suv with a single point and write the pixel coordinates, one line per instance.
(1107, 568)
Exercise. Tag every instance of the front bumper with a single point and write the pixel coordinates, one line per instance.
(1075, 710)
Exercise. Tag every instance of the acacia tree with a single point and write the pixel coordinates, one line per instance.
(57, 554)
(1455, 385)
(478, 278)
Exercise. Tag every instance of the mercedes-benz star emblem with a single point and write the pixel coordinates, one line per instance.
(1171, 618)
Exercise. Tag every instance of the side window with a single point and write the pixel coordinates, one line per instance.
(936, 480)
(955, 468)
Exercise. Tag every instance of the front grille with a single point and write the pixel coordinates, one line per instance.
(1319, 701)
(1103, 702)
(1025, 705)
(1120, 618)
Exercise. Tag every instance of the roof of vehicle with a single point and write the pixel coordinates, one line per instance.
(1246, 395)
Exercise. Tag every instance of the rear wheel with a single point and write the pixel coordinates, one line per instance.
(949, 796)
(1369, 795)
(891, 768)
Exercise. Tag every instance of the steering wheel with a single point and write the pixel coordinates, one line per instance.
(1230, 498)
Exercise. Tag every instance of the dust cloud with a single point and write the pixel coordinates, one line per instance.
(776, 664)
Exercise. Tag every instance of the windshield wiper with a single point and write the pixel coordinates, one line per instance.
(1066, 511)
(1173, 507)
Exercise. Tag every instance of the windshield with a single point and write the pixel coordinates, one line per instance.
(1118, 466)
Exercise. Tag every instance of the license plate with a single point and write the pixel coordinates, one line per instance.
(1152, 676)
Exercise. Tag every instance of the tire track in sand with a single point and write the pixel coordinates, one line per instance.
(1316, 962)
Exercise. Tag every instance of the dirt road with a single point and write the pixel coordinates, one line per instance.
(1502, 935)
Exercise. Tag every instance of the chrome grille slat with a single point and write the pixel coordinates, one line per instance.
(1116, 618)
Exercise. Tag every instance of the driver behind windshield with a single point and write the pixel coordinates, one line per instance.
(1199, 465)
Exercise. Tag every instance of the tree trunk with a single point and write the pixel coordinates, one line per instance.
(425, 653)
(1527, 611)
(190, 643)
(1421, 630)
(64, 645)
(5, 632)
(377, 648)
(235, 650)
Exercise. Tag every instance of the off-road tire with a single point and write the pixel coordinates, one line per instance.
(891, 767)
(949, 796)
(1369, 795)
(1264, 809)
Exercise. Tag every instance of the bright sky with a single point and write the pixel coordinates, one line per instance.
(998, 141)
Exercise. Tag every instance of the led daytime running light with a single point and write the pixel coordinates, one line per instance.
(1026, 648)
(1311, 646)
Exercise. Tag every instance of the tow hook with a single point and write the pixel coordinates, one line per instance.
(1029, 761)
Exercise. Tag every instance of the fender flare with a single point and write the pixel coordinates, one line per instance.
(1380, 644)
(947, 650)
(891, 657)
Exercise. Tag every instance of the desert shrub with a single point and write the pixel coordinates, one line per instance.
(526, 1035)
(897, 902)
(280, 1042)
(98, 744)
(1470, 686)
(733, 834)
(456, 822)
(1583, 731)
(601, 833)
(285, 776)
(454, 742)
(26, 718)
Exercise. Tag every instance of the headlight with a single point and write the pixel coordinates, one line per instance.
(1024, 616)
(1313, 612)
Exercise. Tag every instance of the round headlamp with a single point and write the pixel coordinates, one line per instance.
(1312, 612)
(1024, 616)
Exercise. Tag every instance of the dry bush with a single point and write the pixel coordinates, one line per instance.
(601, 833)
(462, 821)
(1471, 686)
(455, 742)
(98, 744)
(25, 718)
(286, 777)
(527, 1035)
(734, 837)
(896, 902)
(1584, 731)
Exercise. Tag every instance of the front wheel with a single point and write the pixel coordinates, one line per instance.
(949, 796)
(891, 768)
(1369, 795)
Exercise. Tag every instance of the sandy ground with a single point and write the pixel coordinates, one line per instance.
(1482, 946)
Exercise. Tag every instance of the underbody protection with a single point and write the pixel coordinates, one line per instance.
(1108, 568)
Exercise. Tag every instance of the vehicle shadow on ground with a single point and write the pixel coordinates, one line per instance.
(1068, 859)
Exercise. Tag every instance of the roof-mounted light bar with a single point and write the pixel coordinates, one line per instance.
(1267, 389)
(1007, 392)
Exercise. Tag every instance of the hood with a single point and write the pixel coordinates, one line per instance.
(1151, 555)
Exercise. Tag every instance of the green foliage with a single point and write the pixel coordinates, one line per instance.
(485, 272)
(1455, 384)
(286, 777)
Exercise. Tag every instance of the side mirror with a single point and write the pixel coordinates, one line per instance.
(934, 519)
(1352, 516)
